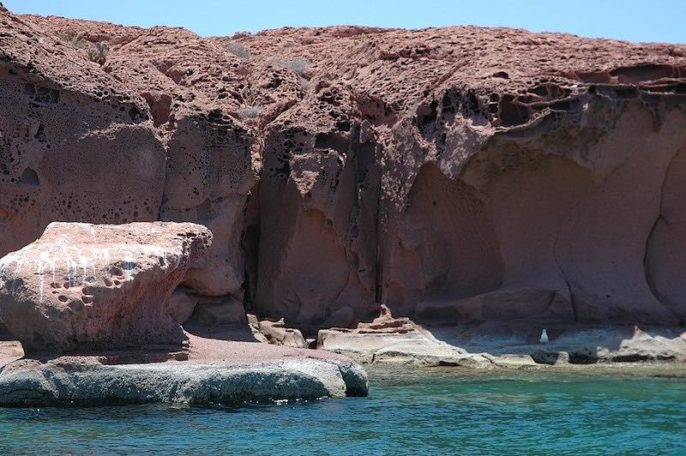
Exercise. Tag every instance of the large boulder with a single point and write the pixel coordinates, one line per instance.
(83, 286)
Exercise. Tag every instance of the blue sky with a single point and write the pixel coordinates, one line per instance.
(656, 20)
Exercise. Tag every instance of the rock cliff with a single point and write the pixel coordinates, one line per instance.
(455, 174)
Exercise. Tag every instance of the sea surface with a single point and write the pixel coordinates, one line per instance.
(408, 412)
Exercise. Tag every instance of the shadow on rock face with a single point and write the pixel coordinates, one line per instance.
(231, 332)
(446, 244)
(4, 333)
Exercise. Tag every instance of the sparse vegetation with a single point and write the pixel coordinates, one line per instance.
(98, 53)
(297, 66)
(73, 39)
(249, 112)
(238, 49)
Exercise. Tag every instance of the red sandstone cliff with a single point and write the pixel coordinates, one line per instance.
(457, 173)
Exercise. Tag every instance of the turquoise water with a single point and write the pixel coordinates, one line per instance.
(436, 412)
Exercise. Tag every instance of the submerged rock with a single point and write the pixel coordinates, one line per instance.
(86, 287)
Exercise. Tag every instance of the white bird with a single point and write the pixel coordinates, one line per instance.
(544, 337)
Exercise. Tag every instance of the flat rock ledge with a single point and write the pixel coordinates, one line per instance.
(82, 381)
(389, 340)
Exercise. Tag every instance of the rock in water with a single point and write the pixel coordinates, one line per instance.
(83, 286)
(63, 382)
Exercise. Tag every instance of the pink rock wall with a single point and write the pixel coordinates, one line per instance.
(452, 174)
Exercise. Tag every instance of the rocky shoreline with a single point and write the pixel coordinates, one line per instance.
(213, 370)
(514, 344)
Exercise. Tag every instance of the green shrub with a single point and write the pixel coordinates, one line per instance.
(96, 53)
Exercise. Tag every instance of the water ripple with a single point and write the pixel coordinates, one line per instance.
(439, 413)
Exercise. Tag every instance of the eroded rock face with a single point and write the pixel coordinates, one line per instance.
(453, 174)
(208, 178)
(568, 214)
(83, 286)
(133, 139)
(74, 143)
(318, 207)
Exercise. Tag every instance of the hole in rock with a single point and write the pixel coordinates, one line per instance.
(512, 112)
(29, 177)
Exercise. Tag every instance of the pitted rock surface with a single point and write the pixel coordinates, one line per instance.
(84, 287)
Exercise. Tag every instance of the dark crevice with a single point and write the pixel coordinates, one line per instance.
(250, 247)
(572, 302)
(29, 177)
(378, 259)
(331, 141)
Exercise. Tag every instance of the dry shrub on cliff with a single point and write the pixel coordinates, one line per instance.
(98, 53)
(297, 66)
(249, 112)
(73, 39)
(238, 49)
